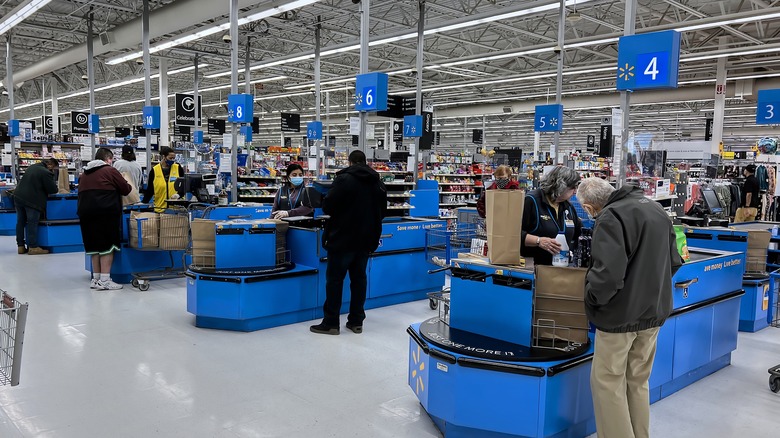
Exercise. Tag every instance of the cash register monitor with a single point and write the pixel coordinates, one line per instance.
(711, 201)
(195, 185)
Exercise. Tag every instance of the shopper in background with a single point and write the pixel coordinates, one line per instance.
(162, 180)
(504, 181)
(30, 198)
(628, 297)
(547, 212)
(294, 198)
(128, 164)
(748, 207)
(356, 203)
(101, 188)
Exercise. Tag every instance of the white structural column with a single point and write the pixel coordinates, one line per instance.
(537, 141)
(365, 28)
(195, 86)
(234, 90)
(720, 101)
(147, 81)
(9, 86)
(419, 98)
(91, 77)
(559, 77)
(165, 136)
(621, 152)
(317, 96)
(55, 107)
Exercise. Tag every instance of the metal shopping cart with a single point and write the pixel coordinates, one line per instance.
(441, 247)
(13, 318)
(774, 320)
(167, 232)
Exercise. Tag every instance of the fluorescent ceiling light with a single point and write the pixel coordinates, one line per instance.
(763, 17)
(204, 32)
(725, 55)
(20, 13)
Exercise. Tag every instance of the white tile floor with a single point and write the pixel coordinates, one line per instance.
(132, 364)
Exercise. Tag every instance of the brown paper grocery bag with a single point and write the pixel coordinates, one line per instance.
(559, 304)
(504, 217)
(150, 230)
(63, 184)
(174, 231)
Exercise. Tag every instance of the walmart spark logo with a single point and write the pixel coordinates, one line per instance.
(626, 72)
(416, 371)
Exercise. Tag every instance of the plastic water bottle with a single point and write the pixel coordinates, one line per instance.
(775, 231)
(562, 258)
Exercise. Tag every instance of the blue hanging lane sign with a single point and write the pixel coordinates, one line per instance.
(413, 126)
(197, 137)
(94, 124)
(151, 117)
(314, 130)
(548, 118)
(241, 108)
(371, 92)
(768, 107)
(247, 131)
(648, 61)
(13, 128)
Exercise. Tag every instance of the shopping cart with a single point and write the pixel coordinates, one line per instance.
(442, 246)
(774, 321)
(167, 232)
(13, 318)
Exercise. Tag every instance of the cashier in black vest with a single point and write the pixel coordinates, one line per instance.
(294, 198)
(547, 212)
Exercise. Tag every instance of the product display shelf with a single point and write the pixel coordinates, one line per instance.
(68, 154)
(456, 190)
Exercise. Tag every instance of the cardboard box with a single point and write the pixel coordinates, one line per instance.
(559, 301)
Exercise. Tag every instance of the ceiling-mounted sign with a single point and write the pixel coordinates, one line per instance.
(768, 108)
(709, 122)
(255, 125)
(121, 132)
(197, 137)
(182, 131)
(139, 131)
(287, 142)
(355, 141)
(94, 124)
(548, 118)
(241, 108)
(410, 106)
(151, 116)
(185, 110)
(291, 122)
(477, 136)
(79, 122)
(371, 92)
(413, 126)
(648, 61)
(395, 107)
(246, 131)
(591, 144)
(426, 141)
(605, 141)
(314, 130)
(48, 124)
(215, 126)
(398, 131)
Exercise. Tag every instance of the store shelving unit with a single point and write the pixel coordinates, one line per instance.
(265, 191)
(68, 154)
(455, 190)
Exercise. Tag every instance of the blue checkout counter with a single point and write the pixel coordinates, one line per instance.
(7, 212)
(495, 384)
(59, 232)
(244, 300)
(754, 312)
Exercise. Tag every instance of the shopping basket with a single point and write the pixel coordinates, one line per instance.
(774, 320)
(13, 317)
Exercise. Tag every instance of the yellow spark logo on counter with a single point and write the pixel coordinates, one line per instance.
(626, 72)
(417, 369)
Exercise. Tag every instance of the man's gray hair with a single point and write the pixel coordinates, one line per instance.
(594, 192)
(558, 181)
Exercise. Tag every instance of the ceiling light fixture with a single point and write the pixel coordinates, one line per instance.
(20, 13)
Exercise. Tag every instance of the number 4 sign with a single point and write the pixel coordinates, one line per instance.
(648, 61)
(768, 108)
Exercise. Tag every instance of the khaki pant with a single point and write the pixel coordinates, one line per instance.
(619, 381)
(745, 214)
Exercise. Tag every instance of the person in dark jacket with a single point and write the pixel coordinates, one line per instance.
(504, 181)
(356, 204)
(101, 188)
(628, 297)
(30, 200)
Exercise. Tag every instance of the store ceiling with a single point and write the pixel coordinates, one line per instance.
(458, 80)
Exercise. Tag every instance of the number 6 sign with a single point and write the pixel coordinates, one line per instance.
(371, 92)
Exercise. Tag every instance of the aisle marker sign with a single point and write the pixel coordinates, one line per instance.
(197, 137)
(548, 118)
(371, 92)
(648, 61)
(13, 128)
(151, 117)
(94, 124)
(314, 130)
(246, 131)
(768, 108)
(413, 126)
(240, 108)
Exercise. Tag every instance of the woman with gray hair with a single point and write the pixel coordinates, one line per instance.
(548, 212)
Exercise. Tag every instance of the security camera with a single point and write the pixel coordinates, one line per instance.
(139, 61)
(355, 1)
(226, 38)
(557, 49)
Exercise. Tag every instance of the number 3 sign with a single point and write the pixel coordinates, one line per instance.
(768, 108)
(648, 61)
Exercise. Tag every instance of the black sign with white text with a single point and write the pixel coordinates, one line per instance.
(398, 131)
(291, 122)
(605, 141)
(591, 143)
(79, 122)
(121, 132)
(215, 126)
(708, 129)
(477, 136)
(185, 110)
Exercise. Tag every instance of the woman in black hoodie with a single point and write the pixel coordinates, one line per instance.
(101, 188)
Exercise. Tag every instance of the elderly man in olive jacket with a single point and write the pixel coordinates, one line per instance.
(30, 200)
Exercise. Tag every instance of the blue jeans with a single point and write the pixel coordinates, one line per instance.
(27, 219)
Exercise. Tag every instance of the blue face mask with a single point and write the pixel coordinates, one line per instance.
(170, 162)
(296, 180)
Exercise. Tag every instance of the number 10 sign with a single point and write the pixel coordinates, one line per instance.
(768, 108)
(648, 61)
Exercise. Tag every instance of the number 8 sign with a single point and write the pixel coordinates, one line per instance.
(240, 108)
(768, 107)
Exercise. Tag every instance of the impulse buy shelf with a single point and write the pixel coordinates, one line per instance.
(455, 190)
(477, 371)
(70, 156)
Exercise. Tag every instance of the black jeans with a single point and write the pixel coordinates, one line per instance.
(27, 218)
(338, 266)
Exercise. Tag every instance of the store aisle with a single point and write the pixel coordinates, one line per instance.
(132, 364)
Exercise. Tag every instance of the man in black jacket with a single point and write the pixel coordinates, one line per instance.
(628, 297)
(356, 204)
(30, 199)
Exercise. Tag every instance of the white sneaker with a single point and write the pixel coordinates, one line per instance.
(94, 283)
(108, 285)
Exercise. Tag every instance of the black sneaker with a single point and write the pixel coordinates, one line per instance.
(322, 329)
(358, 329)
